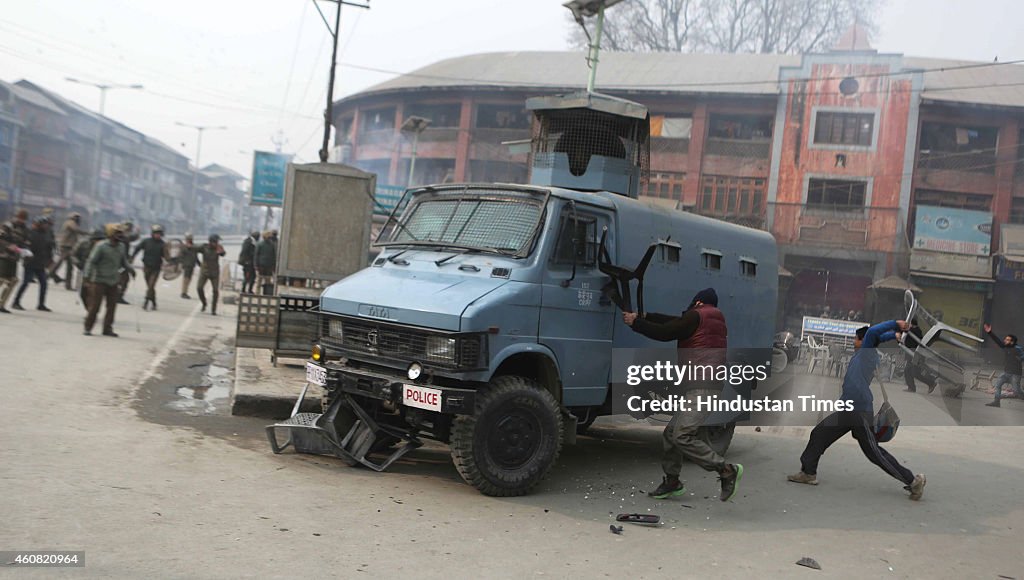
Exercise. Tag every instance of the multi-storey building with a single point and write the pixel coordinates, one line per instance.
(831, 152)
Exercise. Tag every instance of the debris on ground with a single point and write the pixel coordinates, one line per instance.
(617, 530)
(809, 563)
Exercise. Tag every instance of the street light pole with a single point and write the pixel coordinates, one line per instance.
(98, 144)
(580, 10)
(414, 125)
(195, 174)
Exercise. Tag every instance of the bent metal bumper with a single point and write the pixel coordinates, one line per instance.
(315, 433)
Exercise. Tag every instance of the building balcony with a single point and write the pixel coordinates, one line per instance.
(745, 148)
(974, 162)
(863, 228)
(669, 145)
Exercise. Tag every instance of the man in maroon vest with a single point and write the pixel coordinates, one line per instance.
(703, 332)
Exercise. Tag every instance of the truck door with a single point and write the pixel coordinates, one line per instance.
(576, 321)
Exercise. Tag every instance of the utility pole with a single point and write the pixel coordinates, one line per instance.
(195, 175)
(335, 32)
(98, 144)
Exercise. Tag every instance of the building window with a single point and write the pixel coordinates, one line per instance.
(1017, 211)
(972, 201)
(722, 195)
(665, 184)
(835, 128)
(836, 193)
(502, 117)
(441, 116)
(378, 120)
(745, 128)
(958, 148)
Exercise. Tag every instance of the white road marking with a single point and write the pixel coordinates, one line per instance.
(165, 352)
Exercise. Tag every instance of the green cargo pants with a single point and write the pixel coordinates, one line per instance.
(681, 439)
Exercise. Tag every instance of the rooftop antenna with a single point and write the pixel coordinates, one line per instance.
(585, 9)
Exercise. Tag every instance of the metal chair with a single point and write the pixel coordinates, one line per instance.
(817, 353)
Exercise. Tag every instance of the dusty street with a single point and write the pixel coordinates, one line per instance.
(124, 448)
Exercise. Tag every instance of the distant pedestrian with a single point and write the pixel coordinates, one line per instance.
(41, 244)
(67, 239)
(188, 258)
(1013, 354)
(916, 369)
(247, 260)
(209, 269)
(103, 269)
(153, 249)
(13, 243)
(266, 261)
(81, 255)
(858, 421)
(129, 234)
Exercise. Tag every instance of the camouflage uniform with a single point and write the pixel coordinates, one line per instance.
(209, 269)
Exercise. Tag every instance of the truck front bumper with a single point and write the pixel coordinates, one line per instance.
(395, 389)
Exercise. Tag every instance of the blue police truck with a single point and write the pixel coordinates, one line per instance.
(488, 319)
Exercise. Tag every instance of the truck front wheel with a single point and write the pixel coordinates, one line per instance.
(511, 440)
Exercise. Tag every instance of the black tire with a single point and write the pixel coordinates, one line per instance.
(511, 440)
(719, 437)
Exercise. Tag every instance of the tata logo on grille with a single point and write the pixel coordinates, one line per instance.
(374, 311)
(372, 337)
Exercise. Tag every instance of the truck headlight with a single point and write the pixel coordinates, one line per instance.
(441, 348)
(335, 329)
(318, 353)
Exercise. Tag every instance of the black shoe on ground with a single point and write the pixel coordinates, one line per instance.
(993, 404)
(730, 479)
(43, 308)
(87, 333)
(16, 306)
(153, 303)
(909, 390)
(932, 386)
(56, 278)
(186, 296)
(110, 333)
(203, 309)
(4, 310)
(670, 487)
(122, 301)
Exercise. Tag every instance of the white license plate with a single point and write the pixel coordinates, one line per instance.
(316, 374)
(421, 397)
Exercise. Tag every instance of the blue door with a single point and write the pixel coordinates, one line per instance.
(576, 321)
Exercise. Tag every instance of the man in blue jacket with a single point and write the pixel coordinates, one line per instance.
(859, 417)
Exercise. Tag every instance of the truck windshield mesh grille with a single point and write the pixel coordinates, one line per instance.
(486, 223)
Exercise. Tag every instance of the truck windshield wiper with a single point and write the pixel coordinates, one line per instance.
(392, 257)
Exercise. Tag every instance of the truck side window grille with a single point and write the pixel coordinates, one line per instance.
(711, 259)
(748, 267)
(585, 246)
(669, 253)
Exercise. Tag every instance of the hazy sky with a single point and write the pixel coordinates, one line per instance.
(259, 66)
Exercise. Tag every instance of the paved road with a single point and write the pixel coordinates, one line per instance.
(122, 447)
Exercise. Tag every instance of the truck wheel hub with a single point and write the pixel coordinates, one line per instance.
(514, 439)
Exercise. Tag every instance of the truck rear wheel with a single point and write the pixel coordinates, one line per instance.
(511, 441)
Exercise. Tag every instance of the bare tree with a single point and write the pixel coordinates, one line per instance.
(731, 26)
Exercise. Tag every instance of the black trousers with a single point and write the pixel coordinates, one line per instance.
(834, 427)
(249, 271)
(37, 274)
